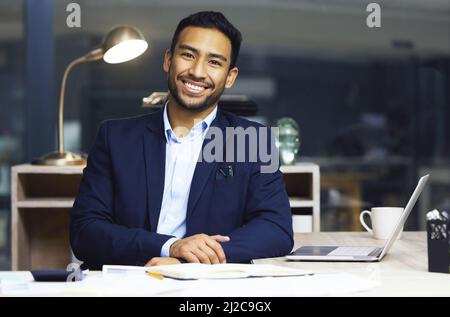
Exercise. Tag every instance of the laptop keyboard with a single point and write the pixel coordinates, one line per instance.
(361, 251)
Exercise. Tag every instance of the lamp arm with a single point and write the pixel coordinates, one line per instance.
(94, 55)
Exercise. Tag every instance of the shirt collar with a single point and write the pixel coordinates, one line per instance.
(198, 128)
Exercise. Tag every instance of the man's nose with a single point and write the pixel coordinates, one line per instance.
(198, 70)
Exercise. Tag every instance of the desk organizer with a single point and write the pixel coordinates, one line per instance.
(438, 232)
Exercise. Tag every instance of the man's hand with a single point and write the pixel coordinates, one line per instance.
(200, 248)
(162, 261)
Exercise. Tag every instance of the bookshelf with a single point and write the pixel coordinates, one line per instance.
(41, 199)
(303, 187)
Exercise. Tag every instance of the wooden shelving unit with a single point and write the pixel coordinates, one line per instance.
(303, 188)
(41, 199)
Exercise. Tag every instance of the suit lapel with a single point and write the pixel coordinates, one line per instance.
(155, 161)
(203, 169)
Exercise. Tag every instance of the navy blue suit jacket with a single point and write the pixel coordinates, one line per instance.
(115, 214)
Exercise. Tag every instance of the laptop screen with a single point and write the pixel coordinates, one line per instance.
(406, 212)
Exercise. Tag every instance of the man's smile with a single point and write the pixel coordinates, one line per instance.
(194, 88)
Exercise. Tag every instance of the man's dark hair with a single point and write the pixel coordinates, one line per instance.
(211, 20)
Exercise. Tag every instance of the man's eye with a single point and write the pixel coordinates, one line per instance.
(188, 55)
(216, 63)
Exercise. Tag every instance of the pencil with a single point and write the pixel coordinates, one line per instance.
(155, 275)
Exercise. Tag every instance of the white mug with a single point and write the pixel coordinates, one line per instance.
(384, 220)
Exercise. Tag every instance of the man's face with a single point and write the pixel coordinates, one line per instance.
(198, 70)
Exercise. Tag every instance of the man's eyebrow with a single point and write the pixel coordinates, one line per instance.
(187, 47)
(219, 56)
(213, 55)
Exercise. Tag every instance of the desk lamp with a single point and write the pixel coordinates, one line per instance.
(121, 44)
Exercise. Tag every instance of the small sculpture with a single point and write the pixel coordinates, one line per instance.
(288, 140)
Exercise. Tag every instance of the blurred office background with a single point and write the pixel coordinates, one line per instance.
(372, 104)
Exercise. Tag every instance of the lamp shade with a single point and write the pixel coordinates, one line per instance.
(122, 44)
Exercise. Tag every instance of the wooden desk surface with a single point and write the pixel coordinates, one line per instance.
(402, 272)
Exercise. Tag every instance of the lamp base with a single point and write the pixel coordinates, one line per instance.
(61, 159)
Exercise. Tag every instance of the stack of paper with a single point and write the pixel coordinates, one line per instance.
(14, 281)
(310, 285)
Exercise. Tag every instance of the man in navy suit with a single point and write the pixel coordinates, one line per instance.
(150, 195)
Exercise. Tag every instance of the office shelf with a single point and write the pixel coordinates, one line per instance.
(300, 202)
(41, 199)
(303, 187)
(46, 203)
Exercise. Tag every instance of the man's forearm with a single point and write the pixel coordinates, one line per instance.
(260, 238)
(99, 242)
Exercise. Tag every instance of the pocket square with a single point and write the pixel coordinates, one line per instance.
(225, 172)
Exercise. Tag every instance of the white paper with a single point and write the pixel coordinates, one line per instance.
(15, 281)
(310, 285)
(23, 284)
(137, 284)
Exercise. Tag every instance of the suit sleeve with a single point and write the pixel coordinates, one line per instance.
(267, 229)
(94, 236)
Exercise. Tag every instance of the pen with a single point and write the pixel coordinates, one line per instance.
(155, 275)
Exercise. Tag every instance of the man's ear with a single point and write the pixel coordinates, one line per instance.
(167, 60)
(231, 77)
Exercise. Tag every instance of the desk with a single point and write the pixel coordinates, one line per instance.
(399, 274)
(402, 272)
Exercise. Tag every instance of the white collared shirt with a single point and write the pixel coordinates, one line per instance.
(181, 158)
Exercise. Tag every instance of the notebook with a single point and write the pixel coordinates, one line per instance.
(193, 271)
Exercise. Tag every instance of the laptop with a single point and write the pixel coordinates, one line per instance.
(358, 254)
